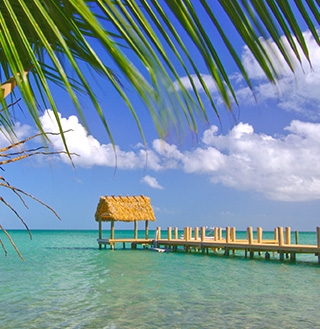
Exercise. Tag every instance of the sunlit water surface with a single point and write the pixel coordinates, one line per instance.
(67, 282)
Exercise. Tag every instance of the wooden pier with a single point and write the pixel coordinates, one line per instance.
(197, 241)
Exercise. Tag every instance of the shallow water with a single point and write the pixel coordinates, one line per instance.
(67, 282)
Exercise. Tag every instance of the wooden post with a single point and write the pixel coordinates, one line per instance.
(259, 234)
(233, 234)
(158, 233)
(112, 229)
(318, 241)
(196, 233)
(250, 235)
(297, 237)
(100, 232)
(175, 233)
(135, 230)
(280, 233)
(220, 233)
(169, 233)
(190, 233)
(185, 233)
(276, 234)
(147, 229)
(250, 240)
(216, 234)
(202, 233)
(227, 234)
(288, 235)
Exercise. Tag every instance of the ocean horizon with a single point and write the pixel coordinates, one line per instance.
(67, 282)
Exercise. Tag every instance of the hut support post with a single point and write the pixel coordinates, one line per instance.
(318, 241)
(100, 232)
(112, 229)
(135, 230)
(147, 229)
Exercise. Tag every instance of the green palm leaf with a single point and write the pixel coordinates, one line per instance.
(48, 38)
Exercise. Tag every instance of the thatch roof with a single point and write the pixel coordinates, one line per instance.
(125, 209)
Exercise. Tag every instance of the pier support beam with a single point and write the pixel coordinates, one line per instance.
(292, 256)
(147, 229)
(100, 232)
(135, 229)
(112, 229)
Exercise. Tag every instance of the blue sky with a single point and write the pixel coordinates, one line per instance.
(259, 167)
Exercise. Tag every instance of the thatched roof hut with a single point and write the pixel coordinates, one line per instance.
(124, 209)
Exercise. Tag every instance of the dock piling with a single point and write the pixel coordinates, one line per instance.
(169, 233)
(280, 233)
(196, 233)
(228, 234)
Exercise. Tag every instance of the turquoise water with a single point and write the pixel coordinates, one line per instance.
(66, 282)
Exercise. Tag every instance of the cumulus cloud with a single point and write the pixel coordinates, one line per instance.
(91, 152)
(282, 168)
(152, 182)
(279, 167)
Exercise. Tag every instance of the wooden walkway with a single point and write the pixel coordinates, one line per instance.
(281, 244)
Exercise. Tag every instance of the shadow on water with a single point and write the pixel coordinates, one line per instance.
(72, 248)
(236, 257)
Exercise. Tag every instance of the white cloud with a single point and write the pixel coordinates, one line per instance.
(208, 80)
(20, 132)
(152, 182)
(297, 92)
(89, 149)
(279, 167)
(282, 168)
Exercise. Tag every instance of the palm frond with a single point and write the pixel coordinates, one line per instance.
(148, 41)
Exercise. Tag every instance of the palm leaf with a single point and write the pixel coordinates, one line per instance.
(56, 36)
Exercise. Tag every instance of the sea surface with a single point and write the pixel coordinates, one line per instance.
(65, 281)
